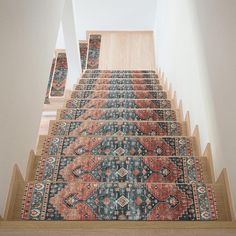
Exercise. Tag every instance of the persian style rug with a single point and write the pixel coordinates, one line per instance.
(60, 74)
(118, 114)
(46, 101)
(132, 94)
(94, 51)
(104, 128)
(118, 87)
(114, 103)
(118, 151)
(83, 47)
(118, 201)
(132, 169)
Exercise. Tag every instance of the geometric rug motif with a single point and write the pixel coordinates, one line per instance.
(60, 74)
(119, 75)
(118, 146)
(119, 94)
(118, 81)
(46, 101)
(120, 71)
(118, 114)
(115, 103)
(83, 47)
(94, 51)
(121, 128)
(118, 201)
(119, 169)
(118, 87)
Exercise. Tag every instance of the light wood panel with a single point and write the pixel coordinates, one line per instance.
(126, 50)
(15, 195)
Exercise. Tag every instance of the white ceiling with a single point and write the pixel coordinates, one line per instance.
(114, 15)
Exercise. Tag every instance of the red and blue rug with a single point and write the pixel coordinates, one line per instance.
(118, 151)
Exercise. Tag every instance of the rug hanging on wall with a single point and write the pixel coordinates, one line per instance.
(60, 75)
(94, 51)
(83, 47)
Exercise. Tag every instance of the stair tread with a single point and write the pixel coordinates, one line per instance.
(118, 201)
(113, 103)
(153, 128)
(87, 168)
(143, 145)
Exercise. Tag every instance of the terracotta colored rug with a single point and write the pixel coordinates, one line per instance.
(118, 114)
(132, 94)
(94, 51)
(118, 151)
(107, 128)
(60, 74)
(114, 103)
(118, 87)
(132, 169)
(83, 47)
(118, 201)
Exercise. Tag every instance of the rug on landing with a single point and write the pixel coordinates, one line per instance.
(60, 74)
(118, 201)
(132, 94)
(118, 146)
(83, 47)
(46, 101)
(94, 51)
(118, 114)
(120, 128)
(119, 169)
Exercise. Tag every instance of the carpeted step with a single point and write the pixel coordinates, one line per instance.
(118, 114)
(95, 168)
(118, 201)
(92, 94)
(117, 146)
(134, 128)
(119, 75)
(118, 87)
(119, 71)
(118, 81)
(114, 103)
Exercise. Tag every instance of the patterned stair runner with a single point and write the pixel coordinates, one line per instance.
(118, 151)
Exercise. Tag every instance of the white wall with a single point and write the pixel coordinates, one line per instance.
(114, 15)
(28, 36)
(195, 46)
(60, 44)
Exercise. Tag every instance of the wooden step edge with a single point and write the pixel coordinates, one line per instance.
(32, 166)
(41, 140)
(207, 156)
(224, 198)
(98, 225)
(15, 195)
(196, 141)
(83, 41)
(51, 126)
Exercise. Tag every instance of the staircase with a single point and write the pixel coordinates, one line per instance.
(124, 155)
(120, 154)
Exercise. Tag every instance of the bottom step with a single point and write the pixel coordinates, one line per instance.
(118, 201)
